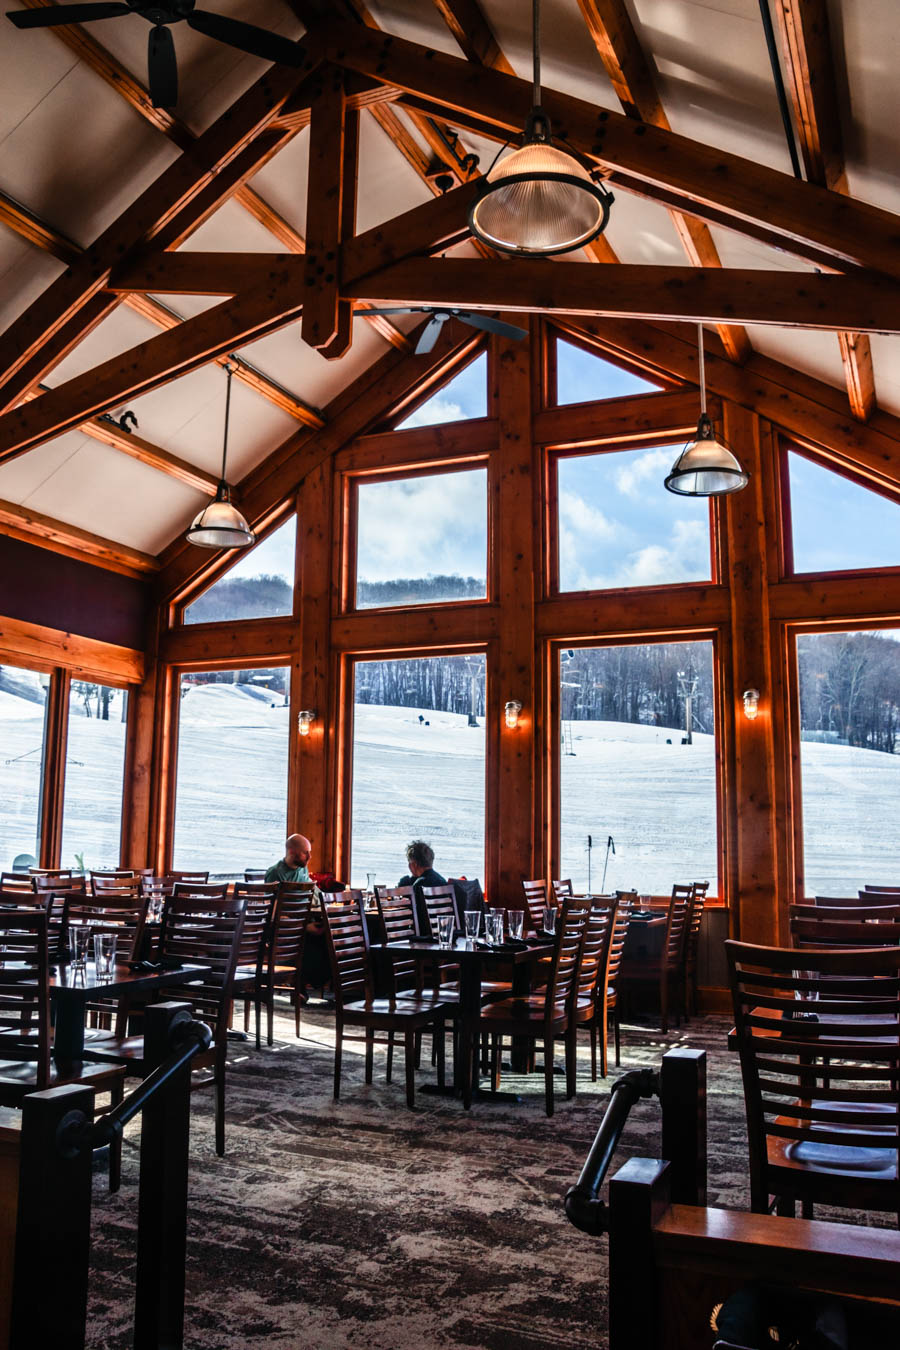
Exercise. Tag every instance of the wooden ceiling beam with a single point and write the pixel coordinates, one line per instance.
(707, 295)
(812, 86)
(634, 81)
(472, 31)
(20, 522)
(327, 322)
(31, 341)
(852, 233)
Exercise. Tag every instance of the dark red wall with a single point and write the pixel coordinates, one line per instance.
(40, 586)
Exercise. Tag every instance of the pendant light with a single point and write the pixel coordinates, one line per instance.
(706, 466)
(539, 200)
(219, 524)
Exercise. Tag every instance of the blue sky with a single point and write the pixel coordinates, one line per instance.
(836, 524)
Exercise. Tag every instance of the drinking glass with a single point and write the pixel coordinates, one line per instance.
(644, 901)
(516, 920)
(445, 930)
(496, 919)
(79, 939)
(104, 952)
(806, 995)
(472, 919)
(370, 882)
(155, 904)
(550, 919)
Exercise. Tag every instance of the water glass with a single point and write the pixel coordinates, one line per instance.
(79, 940)
(155, 898)
(806, 995)
(494, 927)
(550, 919)
(472, 918)
(104, 952)
(445, 930)
(516, 921)
(370, 882)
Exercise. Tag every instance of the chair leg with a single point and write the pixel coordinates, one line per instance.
(270, 1015)
(116, 1094)
(370, 1053)
(418, 1049)
(338, 1055)
(439, 1037)
(548, 1073)
(220, 1108)
(571, 1061)
(246, 1014)
(485, 1052)
(664, 1002)
(785, 1206)
(496, 1052)
(618, 1040)
(806, 1209)
(409, 1054)
(390, 1057)
(594, 1049)
(258, 1010)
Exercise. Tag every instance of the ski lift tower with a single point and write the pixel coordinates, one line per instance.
(687, 689)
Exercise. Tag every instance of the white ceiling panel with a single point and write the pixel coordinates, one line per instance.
(866, 42)
(25, 272)
(642, 232)
(388, 184)
(24, 475)
(231, 229)
(569, 60)
(886, 365)
(302, 369)
(118, 333)
(282, 182)
(32, 64)
(808, 350)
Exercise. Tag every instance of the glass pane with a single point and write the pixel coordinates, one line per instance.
(23, 712)
(619, 527)
(582, 377)
(462, 397)
(231, 789)
(850, 769)
(418, 765)
(638, 767)
(422, 539)
(95, 770)
(869, 533)
(260, 585)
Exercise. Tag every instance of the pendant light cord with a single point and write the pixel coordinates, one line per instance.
(536, 43)
(702, 356)
(229, 371)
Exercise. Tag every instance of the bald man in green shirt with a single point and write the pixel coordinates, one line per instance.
(294, 865)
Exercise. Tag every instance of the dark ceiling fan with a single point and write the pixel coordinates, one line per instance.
(432, 331)
(162, 69)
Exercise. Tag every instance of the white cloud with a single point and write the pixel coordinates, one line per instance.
(436, 410)
(416, 527)
(579, 517)
(653, 464)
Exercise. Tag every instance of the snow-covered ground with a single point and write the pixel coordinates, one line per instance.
(411, 779)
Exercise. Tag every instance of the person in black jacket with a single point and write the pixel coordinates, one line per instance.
(420, 861)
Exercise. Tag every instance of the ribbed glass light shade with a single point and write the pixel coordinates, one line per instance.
(706, 467)
(539, 200)
(220, 525)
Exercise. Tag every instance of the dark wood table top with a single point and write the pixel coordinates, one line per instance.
(463, 953)
(66, 980)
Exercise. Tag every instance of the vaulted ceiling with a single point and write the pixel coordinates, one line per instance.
(81, 143)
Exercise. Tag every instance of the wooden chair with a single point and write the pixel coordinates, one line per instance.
(115, 885)
(253, 957)
(880, 890)
(356, 1006)
(255, 873)
(607, 988)
(667, 970)
(207, 932)
(560, 889)
(535, 903)
(832, 926)
(594, 958)
(124, 916)
(850, 901)
(26, 1062)
(397, 912)
(820, 1060)
(692, 946)
(192, 875)
(438, 902)
(545, 1017)
(284, 966)
(16, 885)
(199, 890)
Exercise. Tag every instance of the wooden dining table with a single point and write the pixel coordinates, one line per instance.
(71, 988)
(474, 963)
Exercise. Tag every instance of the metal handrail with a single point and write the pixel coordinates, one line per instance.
(77, 1132)
(583, 1206)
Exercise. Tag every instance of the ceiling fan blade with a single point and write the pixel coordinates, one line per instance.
(161, 68)
(246, 37)
(59, 14)
(506, 330)
(430, 334)
(396, 309)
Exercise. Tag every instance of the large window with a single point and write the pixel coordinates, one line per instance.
(418, 765)
(868, 533)
(422, 539)
(850, 768)
(23, 711)
(583, 376)
(260, 585)
(95, 767)
(617, 526)
(231, 788)
(462, 397)
(638, 766)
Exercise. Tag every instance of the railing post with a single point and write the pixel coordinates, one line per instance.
(162, 1202)
(53, 1226)
(682, 1097)
(638, 1198)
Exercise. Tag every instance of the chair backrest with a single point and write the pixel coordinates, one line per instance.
(115, 885)
(597, 938)
(561, 889)
(65, 873)
(257, 933)
(880, 890)
(627, 900)
(75, 882)
(289, 924)
(841, 901)
(535, 903)
(14, 884)
(811, 1076)
(348, 951)
(255, 873)
(397, 912)
(123, 915)
(200, 890)
(192, 875)
(205, 931)
(678, 923)
(695, 920)
(125, 873)
(439, 901)
(832, 926)
(563, 982)
(25, 990)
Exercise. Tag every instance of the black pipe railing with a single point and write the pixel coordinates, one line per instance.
(680, 1084)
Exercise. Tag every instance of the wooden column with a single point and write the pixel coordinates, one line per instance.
(754, 828)
(511, 753)
(137, 798)
(325, 217)
(312, 757)
(53, 780)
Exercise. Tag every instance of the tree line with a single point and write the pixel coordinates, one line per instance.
(850, 688)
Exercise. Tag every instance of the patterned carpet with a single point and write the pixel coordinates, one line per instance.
(360, 1224)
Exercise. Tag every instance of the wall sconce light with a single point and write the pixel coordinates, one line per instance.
(305, 720)
(751, 704)
(512, 710)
